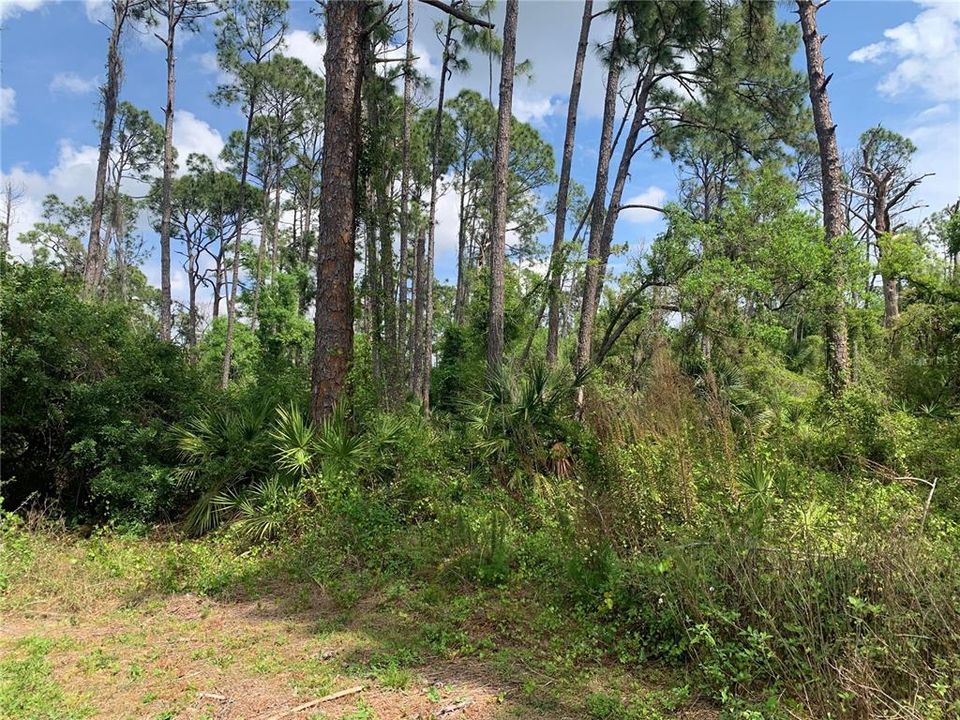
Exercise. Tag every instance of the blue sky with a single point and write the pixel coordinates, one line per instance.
(894, 63)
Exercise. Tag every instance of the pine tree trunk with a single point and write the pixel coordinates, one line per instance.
(891, 286)
(594, 244)
(275, 233)
(333, 317)
(166, 319)
(501, 157)
(372, 275)
(557, 252)
(388, 353)
(193, 274)
(460, 300)
(7, 213)
(237, 244)
(402, 270)
(419, 314)
(426, 339)
(838, 359)
(93, 267)
(219, 273)
(623, 171)
(265, 224)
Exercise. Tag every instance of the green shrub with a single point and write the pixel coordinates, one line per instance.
(87, 392)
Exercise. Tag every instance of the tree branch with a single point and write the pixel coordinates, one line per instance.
(459, 14)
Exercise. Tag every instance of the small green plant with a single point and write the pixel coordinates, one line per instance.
(27, 686)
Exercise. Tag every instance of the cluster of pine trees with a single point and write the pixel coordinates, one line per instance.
(737, 447)
(330, 169)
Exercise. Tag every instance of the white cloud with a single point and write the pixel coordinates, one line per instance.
(927, 51)
(869, 53)
(8, 106)
(99, 11)
(302, 45)
(12, 8)
(938, 151)
(207, 62)
(652, 196)
(936, 112)
(193, 135)
(73, 175)
(70, 82)
(448, 223)
(529, 110)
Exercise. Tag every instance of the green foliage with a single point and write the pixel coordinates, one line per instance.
(700, 500)
(27, 686)
(520, 424)
(88, 393)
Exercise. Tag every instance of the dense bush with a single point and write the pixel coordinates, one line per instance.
(88, 394)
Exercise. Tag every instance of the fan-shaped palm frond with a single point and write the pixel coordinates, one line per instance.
(295, 442)
(516, 418)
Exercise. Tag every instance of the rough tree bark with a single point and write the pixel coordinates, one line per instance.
(333, 317)
(238, 234)
(424, 342)
(402, 270)
(460, 300)
(594, 244)
(495, 341)
(556, 252)
(619, 183)
(94, 265)
(173, 16)
(838, 356)
(419, 312)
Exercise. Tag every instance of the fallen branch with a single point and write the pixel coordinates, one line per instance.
(456, 707)
(312, 703)
(212, 696)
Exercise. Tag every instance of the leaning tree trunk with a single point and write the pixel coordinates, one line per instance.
(495, 340)
(619, 183)
(333, 317)
(93, 267)
(594, 244)
(166, 320)
(838, 359)
(557, 252)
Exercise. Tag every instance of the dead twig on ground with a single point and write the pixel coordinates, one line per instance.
(313, 703)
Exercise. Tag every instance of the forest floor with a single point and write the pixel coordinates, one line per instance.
(102, 628)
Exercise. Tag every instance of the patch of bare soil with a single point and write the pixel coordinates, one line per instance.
(290, 655)
(192, 657)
